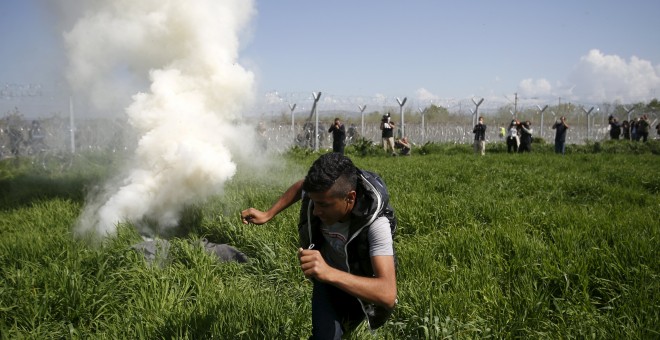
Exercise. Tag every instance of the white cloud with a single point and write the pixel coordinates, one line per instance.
(535, 88)
(424, 95)
(599, 77)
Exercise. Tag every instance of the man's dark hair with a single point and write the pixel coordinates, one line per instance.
(328, 170)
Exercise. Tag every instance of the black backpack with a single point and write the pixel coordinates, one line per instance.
(386, 209)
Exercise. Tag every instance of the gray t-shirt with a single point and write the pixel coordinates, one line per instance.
(336, 236)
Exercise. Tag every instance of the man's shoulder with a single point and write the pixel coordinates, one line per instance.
(370, 176)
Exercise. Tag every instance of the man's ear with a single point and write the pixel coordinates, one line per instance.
(350, 197)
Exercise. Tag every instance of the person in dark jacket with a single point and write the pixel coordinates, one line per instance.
(387, 133)
(560, 127)
(643, 128)
(625, 127)
(338, 136)
(615, 127)
(480, 137)
(525, 137)
(346, 227)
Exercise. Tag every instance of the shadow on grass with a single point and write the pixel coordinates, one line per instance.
(23, 190)
(25, 180)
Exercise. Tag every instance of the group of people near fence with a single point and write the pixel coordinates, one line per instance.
(636, 129)
(518, 135)
(12, 134)
(387, 126)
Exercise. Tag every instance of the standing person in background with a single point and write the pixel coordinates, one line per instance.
(657, 129)
(560, 127)
(15, 138)
(643, 128)
(512, 138)
(387, 126)
(346, 227)
(480, 137)
(525, 137)
(625, 127)
(261, 136)
(633, 129)
(36, 137)
(615, 127)
(338, 136)
(353, 134)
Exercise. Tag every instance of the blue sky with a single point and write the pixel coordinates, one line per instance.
(585, 51)
(449, 48)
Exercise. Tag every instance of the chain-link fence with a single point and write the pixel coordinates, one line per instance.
(17, 135)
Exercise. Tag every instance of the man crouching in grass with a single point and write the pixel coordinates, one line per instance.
(346, 227)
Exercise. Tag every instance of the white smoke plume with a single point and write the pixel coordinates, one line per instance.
(187, 52)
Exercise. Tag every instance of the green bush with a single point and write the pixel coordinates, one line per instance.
(538, 140)
(363, 147)
(619, 147)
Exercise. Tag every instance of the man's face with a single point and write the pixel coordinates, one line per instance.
(331, 208)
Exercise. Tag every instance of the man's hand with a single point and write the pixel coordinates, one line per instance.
(254, 216)
(380, 289)
(312, 264)
(290, 196)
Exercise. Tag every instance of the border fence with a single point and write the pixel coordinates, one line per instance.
(49, 107)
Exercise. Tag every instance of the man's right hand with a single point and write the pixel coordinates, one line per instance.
(254, 216)
(290, 196)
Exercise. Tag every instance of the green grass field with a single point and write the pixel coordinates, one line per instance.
(502, 246)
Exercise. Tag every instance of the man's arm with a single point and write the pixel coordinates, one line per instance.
(380, 289)
(290, 196)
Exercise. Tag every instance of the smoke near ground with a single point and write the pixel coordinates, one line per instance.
(185, 53)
